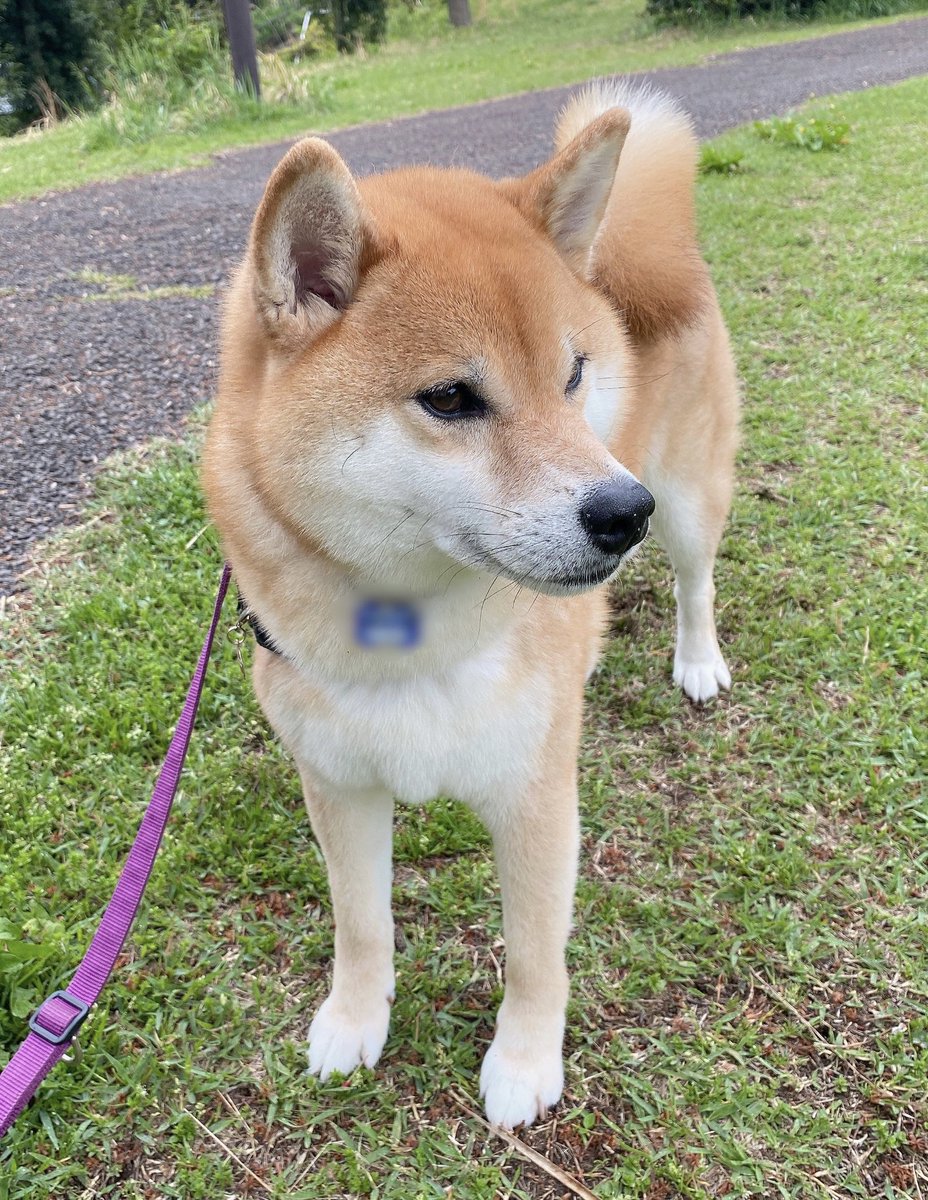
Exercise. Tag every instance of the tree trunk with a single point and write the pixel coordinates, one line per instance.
(459, 12)
(242, 45)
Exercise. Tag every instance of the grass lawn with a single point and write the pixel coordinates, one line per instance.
(513, 46)
(749, 1014)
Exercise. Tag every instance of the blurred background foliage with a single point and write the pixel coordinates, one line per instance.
(131, 69)
(60, 57)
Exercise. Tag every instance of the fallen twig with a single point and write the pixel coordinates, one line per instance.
(532, 1156)
(228, 1150)
(842, 1052)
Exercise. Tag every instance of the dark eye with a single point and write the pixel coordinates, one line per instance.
(452, 400)
(576, 375)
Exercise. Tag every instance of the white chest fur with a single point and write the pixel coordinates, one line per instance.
(473, 731)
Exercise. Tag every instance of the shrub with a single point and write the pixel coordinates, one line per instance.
(278, 22)
(179, 79)
(356, 23)
(317, 41)
(120, 22)
(697, 11)
(60, 55)
(183, 52)
(162, 81)
(49, 57)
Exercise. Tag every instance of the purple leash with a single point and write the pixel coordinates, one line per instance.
(57, 1020)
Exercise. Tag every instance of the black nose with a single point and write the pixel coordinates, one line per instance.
(615, 515)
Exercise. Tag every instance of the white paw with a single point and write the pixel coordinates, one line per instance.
(518, 1089)
(344, 1035)
(702, 677)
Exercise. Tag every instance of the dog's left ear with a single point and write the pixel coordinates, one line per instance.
(567, 195)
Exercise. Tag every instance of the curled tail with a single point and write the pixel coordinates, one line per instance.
(646, 254)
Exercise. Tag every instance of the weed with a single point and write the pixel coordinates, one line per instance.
(107, 281)
(717, 160)
(126, 287)
(25, 945)
(812, 131)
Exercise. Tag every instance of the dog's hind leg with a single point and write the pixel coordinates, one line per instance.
(355, 832)
(689, 527)
(689, 470)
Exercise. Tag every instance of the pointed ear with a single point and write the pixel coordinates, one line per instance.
(310, 241)
(567, 196)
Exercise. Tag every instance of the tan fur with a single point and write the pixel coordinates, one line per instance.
(332, 482)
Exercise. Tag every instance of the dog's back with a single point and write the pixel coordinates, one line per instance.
(646, 255)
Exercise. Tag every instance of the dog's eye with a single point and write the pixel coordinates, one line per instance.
(452, 400)
(576, 375)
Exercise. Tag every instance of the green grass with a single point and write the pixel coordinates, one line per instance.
(126, 287)
(514, 45)
(749, 1014)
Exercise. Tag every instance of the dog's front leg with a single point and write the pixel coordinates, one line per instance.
(355, 831)
(536, 840)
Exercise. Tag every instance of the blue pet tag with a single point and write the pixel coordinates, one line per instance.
(379, 624)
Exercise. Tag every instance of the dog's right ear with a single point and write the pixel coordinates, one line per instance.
(310, 241)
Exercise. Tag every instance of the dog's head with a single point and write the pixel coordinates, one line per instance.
(427, 378)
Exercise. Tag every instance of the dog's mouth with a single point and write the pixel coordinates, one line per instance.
(568, 582)
(569, 587)
(575, 584)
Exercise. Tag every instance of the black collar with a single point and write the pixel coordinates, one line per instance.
(262, 637)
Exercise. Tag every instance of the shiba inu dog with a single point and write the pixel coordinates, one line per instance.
(449, 409)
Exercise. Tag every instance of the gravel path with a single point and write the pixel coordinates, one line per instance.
(89, 365)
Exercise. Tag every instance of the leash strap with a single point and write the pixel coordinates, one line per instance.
(57, 1020)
